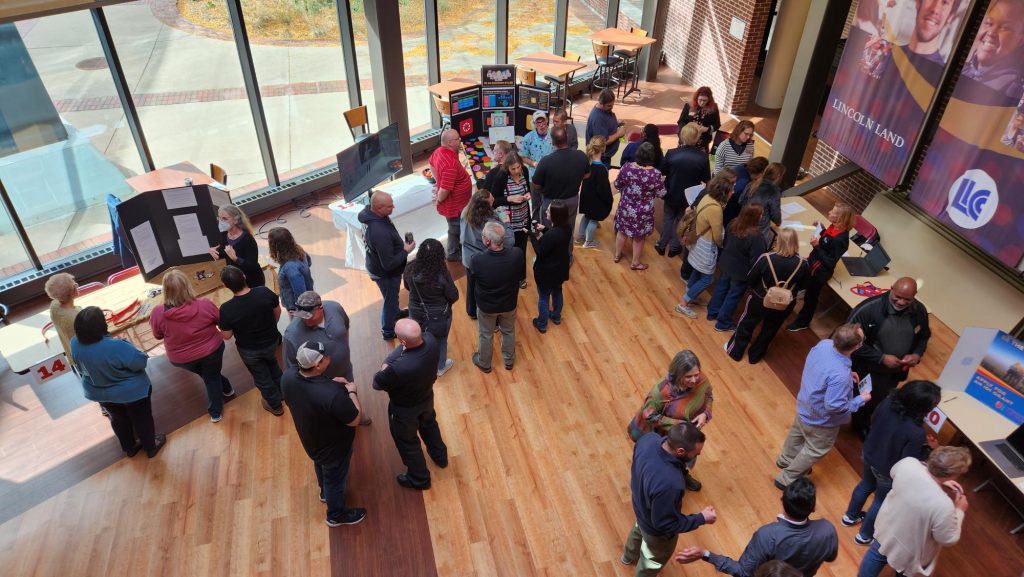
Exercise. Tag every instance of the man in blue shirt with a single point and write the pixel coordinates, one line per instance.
(602, 121)
(825, 403)
(657, 486)
(793, 538)
(537, 142)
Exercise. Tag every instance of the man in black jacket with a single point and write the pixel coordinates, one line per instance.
(386, 254)
(408, 376)
(896, 335)
(496, 271)
(683, 167)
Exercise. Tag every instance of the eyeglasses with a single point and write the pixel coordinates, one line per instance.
(310, 308)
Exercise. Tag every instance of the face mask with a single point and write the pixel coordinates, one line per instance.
(223, 226)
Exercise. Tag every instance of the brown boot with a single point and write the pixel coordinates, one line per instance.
(691, 483)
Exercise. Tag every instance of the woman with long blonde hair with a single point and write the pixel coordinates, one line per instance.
(826, 250)
(238, 245)
(188, 327)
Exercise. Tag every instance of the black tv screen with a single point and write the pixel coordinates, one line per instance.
(369, 162)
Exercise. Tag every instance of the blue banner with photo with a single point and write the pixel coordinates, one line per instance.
(998, 382)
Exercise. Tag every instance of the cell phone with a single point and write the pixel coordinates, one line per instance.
(408, 238)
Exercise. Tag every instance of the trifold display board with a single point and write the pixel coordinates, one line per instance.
(171, 227)
(465, 111)
(529, 100)
(988, 365)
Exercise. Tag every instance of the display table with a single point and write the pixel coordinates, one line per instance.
(24, 345)
(414, 212)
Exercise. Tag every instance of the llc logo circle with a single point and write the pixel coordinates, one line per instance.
(973, 199)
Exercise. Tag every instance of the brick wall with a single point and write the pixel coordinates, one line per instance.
(857, 190)
(698, 46)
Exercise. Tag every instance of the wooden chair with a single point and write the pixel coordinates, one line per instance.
(120, 276)
(358, 123)
(218, 174)
(526, 75)
(560, 85)
(444, 108)
(606, 62)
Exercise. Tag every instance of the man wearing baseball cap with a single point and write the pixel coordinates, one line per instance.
(326, 413)
(537, 142)
(326, 322)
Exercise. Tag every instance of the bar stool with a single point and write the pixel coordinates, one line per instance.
(444, 108)
(606, 62)
(629, 72)
(358, 123)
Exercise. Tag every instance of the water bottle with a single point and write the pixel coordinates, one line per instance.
(188, 181)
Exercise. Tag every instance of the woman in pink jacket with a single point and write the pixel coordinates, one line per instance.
(188, 327)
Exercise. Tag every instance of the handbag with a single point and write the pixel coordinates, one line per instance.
(779, 296)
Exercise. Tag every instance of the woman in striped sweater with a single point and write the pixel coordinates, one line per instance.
(685, 394)
(738, 149)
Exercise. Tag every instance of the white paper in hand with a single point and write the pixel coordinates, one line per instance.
(865, 384)
(692, 192)
(818, 229)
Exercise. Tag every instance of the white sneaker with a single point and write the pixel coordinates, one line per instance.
(592, 244)
(447, 366)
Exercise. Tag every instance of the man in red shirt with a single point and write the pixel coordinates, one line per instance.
(453, 188)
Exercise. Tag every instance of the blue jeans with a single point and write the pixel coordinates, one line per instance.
(696, 284)
(587, 228)
(266, 373)
(389, 287)
(873, 562)
(871, 482)
(724, 300)
(216, 384)
(544, 297)
(332, 476)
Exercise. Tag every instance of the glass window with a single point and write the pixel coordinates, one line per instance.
(301, 74)
(187, 84)
(466, 36)
(531, 27)
(584, 20)
(630, 13)
(64, 144)
(414, 46)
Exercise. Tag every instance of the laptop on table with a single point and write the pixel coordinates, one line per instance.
(870, 265)
(1012, 449)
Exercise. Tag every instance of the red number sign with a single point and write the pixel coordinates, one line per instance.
(50, 368)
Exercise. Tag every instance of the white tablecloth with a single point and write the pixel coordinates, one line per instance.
(414, 212)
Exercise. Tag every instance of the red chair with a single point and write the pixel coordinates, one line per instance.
(120, 276)
(89, 287)
(866, 232)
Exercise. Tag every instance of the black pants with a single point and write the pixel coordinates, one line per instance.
(755, 313)
(132, 421)
(405, 424)
(881, 385)
(470, 293)
(811, 294)
(522, 239)
(331, 468)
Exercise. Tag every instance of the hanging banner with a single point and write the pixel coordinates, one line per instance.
(971, 177)
(891, 66)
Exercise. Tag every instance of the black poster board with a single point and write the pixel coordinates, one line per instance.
(498, 75)
(154, 233)
(465, 111)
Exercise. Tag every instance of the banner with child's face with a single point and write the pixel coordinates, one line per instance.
(972, 175)
(894, 57)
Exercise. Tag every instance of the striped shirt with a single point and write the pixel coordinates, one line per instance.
(666, 405)
(826, 396)
(726, 157)
(451, 176)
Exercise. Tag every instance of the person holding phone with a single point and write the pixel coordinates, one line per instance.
(386, 256)
(603, 122)
(551, 267)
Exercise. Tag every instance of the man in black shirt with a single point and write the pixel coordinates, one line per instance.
(251, 317)
(559, 176)
(326, 414)
(496, 272)
(408, 376)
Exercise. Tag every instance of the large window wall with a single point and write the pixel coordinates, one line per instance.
(73, 129)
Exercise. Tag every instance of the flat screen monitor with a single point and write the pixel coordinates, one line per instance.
(533, 98)
(369, 162)
(499, 98)
(465, 100)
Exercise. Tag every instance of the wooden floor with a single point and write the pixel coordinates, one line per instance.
(539, 476)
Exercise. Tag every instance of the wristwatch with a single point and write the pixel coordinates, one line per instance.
(706, 556)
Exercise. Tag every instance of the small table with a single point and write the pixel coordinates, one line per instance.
(551, 65)
(619, 38)
(414, 212)
(446, 87)
(169, 177)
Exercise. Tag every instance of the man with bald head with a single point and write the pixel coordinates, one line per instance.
(895, 337)
(452, 189)
(386, 254)
(408, 376)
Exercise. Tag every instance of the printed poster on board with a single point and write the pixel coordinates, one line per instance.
(971, 179)
(893, 60)
(998, 381)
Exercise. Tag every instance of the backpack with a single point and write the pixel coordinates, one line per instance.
(779, 296)
(688, 226)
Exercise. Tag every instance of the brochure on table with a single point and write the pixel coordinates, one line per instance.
(172, 227)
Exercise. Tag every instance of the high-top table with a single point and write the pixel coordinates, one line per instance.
(550, 64)
(446, 87)
(623, 40)
(169, 177)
